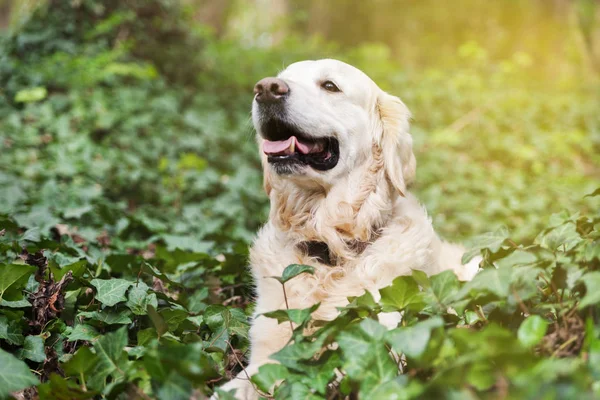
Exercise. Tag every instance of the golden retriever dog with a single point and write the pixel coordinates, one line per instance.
(337, 157)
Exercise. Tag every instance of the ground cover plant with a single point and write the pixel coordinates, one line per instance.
(130, 189)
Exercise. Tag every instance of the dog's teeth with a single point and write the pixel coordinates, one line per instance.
(292, 147)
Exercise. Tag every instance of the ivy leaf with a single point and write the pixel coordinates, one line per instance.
(298, 391)
(563, 237)
(111, 357)
(444, 286)
(158, 321)
(175, 387)
(293, 355)
(592, 286)
(366, 358)
(532, 330)
(82, 362)
(173, 317)
(83, 332)
(413, 340)
(77, 269)
(517, 257)
(399, 388)
(493, 280)
(33, 349)
(292, 271)
(138, 299)
(403, 292)
(31, 235)
(491, 240)
(297, 316)
(421, 278)
(13, 273)
(58, 388)
(268, 375)
(14, 374)
(11, 331)
(108, 317)
(111, 291)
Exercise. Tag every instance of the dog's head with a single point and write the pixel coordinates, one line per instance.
(319, 120)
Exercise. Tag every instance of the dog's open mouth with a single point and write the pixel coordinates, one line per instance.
(288, 147)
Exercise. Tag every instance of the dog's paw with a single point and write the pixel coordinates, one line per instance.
(244, 389)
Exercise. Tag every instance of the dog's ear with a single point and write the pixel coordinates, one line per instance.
(395, 142)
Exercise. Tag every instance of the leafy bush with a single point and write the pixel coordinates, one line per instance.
(525, 325)
(130, 189)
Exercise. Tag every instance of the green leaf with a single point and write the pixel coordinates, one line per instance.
(292, 271)
(31, 95)
(366, 358)
(77, 269)
(175, 387)
(11, 331)
(563, 237)
(158, 321)
(173, 317)
(81, 363)
(188, 360)
(58, 388)
(592, 286)
(33, 349)
(491, 240)
(138, 299)
(108, 317)
(292, 355)
(481, 375)
(517, 257)
(532, 330)
(421, 278)
(14, 274)
(83, 332)
(413, 340)
(31, 235)
(493, 280)
(298, 391)
(471, 317)
(403, 292)
(112, 358)
(14, 374)
(594, 193)
(23, 303)
(268, 375)
(398, 389)
(444, 286)
(111, 291)
(295, 315)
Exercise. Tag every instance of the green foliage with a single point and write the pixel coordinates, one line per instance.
(130, 190)
(515, 327)
(292, 271)
(14, 374)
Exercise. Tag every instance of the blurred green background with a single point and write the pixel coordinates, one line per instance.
(127, 157)
(140, 110)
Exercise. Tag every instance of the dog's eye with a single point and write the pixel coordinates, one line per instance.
(330, 86)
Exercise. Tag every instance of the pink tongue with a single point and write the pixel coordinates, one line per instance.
(281, 146)
(284, 146)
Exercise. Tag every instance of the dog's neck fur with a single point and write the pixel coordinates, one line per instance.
(347, 217)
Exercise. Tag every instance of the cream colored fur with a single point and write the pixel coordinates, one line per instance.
(364, 199)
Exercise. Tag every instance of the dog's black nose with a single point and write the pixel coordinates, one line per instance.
(270, 90)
